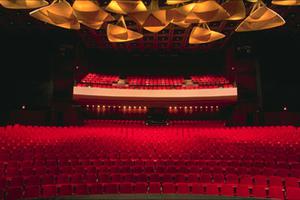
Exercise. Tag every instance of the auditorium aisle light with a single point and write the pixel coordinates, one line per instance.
(182, 13)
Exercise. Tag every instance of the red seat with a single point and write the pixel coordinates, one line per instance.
(49, 190)
(65, 190)
(183, 188)
(259, 191)
(242, 191)
(95, 188)
(291, 182)
(168, 188)
(293, 193)
(32, 192)
(126, 188)
(140, 187)
(80, 189)
(110, 188)
(14, 193)
(276, 192)
(227, 190)
(197, 188)
(211, 189)
(155, 187)
(62, 179)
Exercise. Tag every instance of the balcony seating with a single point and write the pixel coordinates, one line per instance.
(154, 82)
(121, 158)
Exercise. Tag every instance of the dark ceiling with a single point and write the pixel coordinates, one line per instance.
(171, 38)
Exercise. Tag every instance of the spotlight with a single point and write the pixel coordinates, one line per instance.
(23, 107)
(285, 108)
(98, 106)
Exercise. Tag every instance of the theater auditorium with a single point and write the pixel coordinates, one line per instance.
(150, 99)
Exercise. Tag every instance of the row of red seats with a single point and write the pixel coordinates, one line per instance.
(82, 177)
(154, 87)
(100, 79)
(155, 80)
(209, 80)
(277, 192)
(125, 152)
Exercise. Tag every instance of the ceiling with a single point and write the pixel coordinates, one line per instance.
(171, 38)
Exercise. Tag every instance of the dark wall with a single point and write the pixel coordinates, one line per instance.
(154, 62)
(279, 61)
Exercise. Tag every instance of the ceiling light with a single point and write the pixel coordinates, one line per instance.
(202, 34)
(261, 17)
(120, 33)
(126, 6)
(23, 4)
(58, 13)
(235, 8)
(90, 14)
(286, 2)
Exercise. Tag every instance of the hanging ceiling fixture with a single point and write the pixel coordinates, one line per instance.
(120, 33)
(153, 20)
(206, 11)
(126, 6)
(286, 2)
(182, 13)
(261, 17)
(174, 2)
(235, 8)
(59, 13)
(90, 14)
(202, 34)
(23, 4)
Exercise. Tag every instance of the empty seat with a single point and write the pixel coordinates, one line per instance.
(291, 182)
(211, 189)
(260, 180)
(65, 190)
(293, 193)
(197, 188)
(80, 189)
(227, 190)
(32, 191)
(140, 187)
(168, 188)
(49, 190)
(155, 187)
(275, 192)
(242, 191)
(183, 188)
(259, 191)
(110, 188)
(14, 193)
(126, 188)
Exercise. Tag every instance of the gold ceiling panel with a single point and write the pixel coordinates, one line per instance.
(90, 14)
(58, 13)
(174, 2)
(153, 20)
(202, 34)
(261, 17)
(235, 8)
(23, 4)
(120, 33)
(206, 11)
(286, 2)
(126, 6)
